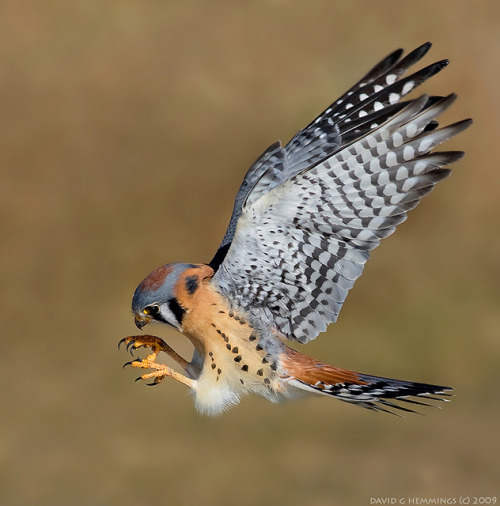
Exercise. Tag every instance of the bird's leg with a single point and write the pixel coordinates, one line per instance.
(156, 344)
(161, 372)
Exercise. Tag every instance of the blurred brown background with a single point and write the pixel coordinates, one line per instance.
(125, 130)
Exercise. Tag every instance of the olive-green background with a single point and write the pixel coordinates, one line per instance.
(125, 129)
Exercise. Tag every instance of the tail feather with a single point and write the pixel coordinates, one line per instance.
(376, 393)
(371, 392)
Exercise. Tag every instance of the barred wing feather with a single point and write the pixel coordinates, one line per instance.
(299, 246)
(369, 102)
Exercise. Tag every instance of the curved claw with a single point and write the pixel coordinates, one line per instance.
(130, 345)
(137, 379)
(152, 384)
(130, 363)
(121, 341)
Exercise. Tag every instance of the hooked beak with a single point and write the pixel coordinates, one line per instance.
(141, 321)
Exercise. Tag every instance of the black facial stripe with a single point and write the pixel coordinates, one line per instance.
(160, 318)
(191, 284)
(177, 310)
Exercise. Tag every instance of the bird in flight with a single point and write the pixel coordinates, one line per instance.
(304, 222)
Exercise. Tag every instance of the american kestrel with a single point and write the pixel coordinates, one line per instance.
(304, 222)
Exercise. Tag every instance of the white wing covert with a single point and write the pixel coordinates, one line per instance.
(301, 237)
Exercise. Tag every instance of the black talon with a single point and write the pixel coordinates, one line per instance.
(121, 341)
(137, 379)
(130, 345)
(152, 384)
(130, 363)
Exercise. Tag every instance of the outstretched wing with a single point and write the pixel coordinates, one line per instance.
(307, 215)
(322, 137)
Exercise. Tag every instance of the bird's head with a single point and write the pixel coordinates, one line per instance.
(163, 296)
(155, 298)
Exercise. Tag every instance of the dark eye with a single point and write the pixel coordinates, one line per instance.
(151, 310)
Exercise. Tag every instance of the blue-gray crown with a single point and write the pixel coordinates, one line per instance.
(158, 286)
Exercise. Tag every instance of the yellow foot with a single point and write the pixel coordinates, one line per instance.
(161, 372)
(156, 344)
